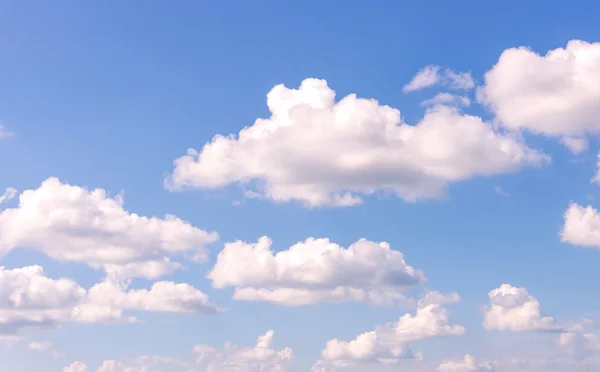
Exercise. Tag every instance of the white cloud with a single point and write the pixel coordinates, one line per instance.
(581, 226)
(389, 344)
(514, 309)
(427, 77)
(321, 152)
(576, 145)
(447, 99)
(468, 364)
(434, 75)
(500, 191)
(40, 345)
(3, 132)
(75, 224)
(146, 363)
(315, 270)
(30, 300)
(8, 194)
(554, 95)
(76, 367)
(260, 358)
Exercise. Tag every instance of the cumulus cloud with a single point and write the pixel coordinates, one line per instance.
(315, 270)
(555, 94)
(30, 300)
(581, 226)
(389, 344)
(514, 309)
(260, 358)
(320, 152)
(434, 75)
(72, 223)
(467, 364)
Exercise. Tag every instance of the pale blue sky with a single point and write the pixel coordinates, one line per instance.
(107, 94)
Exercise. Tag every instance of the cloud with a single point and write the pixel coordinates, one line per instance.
(390, 343)
(447, 99)
(39, 346)
(576, 145)
(3, 132)
(76, 367)
(468, 364)
(500, 191)
(325, 153)
(581, 226)
(30, 301)
(260, 358)
(513, 309)
(8, 194)
(146, 363)
(72, 223)
(315, 270)
(434, 75)
(554, 95)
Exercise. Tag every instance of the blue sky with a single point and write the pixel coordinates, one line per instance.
(108, 94)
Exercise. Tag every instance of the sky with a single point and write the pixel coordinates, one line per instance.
(289, 186)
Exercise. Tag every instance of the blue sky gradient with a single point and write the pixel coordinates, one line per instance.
(107, 94)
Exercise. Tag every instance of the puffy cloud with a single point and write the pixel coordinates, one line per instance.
(433, 75)
(75, 224)
(260, 358)
(325, 153)
(514, 309)
(581, 226)
(468, 364)
(556, 94)
(76, 367)
(43, 345)
(389, 344)
(447, 99)
(315, 270)
(8, 194)
(30, 300)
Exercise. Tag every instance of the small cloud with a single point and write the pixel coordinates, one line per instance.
(425, 78)
(40, 346)
(576, 145)
(447, 99)
(500, 191)
(8, 194)
(4, 133)
(434, 75)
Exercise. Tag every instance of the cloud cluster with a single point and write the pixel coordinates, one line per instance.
(390, 343)
(72, 223)
(325, 153)
(514, 309)
(259, 358)
(30, 300)
(555, 94)
(315, 270)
